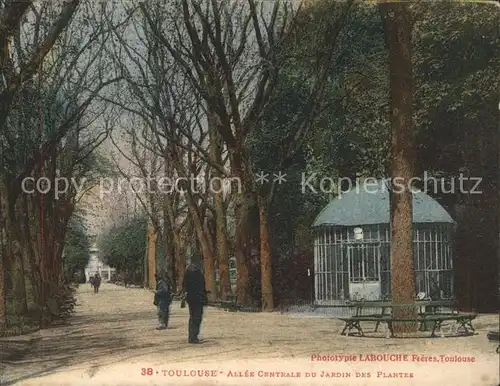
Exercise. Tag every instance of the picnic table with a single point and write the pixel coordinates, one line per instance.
(427, 312)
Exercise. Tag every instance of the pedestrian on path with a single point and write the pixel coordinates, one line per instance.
(196, 296)
(163, 299)
(97, 282)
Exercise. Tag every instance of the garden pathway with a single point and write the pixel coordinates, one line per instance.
(112, 340)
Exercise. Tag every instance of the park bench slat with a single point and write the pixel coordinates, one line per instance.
(354, 322)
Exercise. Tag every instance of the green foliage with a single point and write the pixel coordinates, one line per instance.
(455, 53)
(349, 133)
(351, 137)
(124, 245)
(20, 137)
(77, 247)
(456, 70)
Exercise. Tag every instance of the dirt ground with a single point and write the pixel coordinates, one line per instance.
(112, 340)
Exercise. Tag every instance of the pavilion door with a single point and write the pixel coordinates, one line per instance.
(364, 271)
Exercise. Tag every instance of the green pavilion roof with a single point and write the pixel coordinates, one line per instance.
(368, 204)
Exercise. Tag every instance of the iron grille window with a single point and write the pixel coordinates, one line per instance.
(364, 263)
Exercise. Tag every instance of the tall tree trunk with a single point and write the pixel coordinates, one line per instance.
(211, 263)
(172, 238)
(14, 253)
(181, 253)
(208, 260)
(152, 236)
(145, 266)
(169, 231)
(265, 256)
(220, 215)
(396, 19)
(242, 204)
(497, 210)
(170, 258)
(222, 247)
(206, 250)
(3, 314)
(169, 247)
(242, 250)
(18, 279)
(4, 62)
(32, 233)
(179, 266)
(177, 261)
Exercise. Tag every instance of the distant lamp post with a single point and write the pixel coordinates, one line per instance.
(358, 234)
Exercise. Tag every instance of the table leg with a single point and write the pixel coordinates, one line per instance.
(436, 326)
(466, 324)
(391, 330)
(358, 326)
(353, 325)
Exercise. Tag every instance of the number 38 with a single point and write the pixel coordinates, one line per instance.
(148, 371)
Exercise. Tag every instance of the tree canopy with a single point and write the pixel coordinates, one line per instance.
(77, 248)
(123, 246)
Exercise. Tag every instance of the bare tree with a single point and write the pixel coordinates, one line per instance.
(209, 42)
(70, 127)
(232, 54)
(176, 132)
(12, 76)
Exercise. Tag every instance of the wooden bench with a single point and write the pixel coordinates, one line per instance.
(354, 322)
(463, 320)
(428, 311)
(386, 305)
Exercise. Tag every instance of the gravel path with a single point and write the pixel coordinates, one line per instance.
(112, 341)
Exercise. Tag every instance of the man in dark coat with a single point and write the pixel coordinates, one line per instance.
(163, 299)
(195, 293)
(97, 282)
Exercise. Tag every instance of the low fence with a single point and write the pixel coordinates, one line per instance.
(311, 308)
(293, 306)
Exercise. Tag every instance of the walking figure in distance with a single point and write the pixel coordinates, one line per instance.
(97, 282)
(91, 281)
(196, 296)
(163, 299)
(126, 279)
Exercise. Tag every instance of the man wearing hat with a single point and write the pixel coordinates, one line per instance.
(196, 296)
(163, 299)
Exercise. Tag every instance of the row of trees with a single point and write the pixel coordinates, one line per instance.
(76, 250)
(199, 85)
(123, 246)
(216, 90)
(53, 70)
